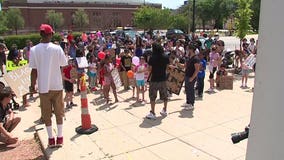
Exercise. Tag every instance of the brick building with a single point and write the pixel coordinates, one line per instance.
(103, 14)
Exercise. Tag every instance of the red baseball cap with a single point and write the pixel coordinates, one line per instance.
(46, 28)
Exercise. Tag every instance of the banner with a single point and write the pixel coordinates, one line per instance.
(116, 78)
(175, 80)
(19, 80)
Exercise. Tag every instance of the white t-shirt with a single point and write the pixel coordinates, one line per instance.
(140, 75)
(47, 58)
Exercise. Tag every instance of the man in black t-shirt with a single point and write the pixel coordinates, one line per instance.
(7, 120)
(157, 67)
(191, 71)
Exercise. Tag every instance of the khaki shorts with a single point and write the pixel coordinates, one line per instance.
(158, 86)
(51, 101)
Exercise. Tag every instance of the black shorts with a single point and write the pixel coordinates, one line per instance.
(68, 86)
(211, 76)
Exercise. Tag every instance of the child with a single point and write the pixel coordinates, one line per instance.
(246, 66)
(140, 78)
(92, 73)
(201, 75)
(68, 84)
(221, 73)
(215, 59)
(108, 79)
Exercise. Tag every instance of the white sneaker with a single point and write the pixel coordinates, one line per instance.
(185, 105)
(151, 116)
(189, 107)
(163, 112)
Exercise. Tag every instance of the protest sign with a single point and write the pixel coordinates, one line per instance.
(19, 80)
(116, 78)
(82, 62)
(175, 80)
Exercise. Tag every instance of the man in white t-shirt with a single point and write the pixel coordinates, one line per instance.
(46, 60)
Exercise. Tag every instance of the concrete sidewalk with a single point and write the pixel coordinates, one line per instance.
(124, 133)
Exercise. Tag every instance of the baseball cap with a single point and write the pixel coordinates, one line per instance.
(46, 28)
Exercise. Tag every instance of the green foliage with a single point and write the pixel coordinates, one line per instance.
(3, 23)
(179, 21)
(146, 18)
(80, 19)
(208, 11)
(242, 17)
(20, 40)
(204, 11)
(55, 18)
(15, 20)
(255, 7)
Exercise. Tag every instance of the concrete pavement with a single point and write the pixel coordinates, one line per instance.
(124, 133)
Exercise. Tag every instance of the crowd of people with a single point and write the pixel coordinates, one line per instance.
(142, 64)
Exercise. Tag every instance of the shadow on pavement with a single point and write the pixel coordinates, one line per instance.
(75, 136)
(5, 147)
(31, 129)
(186, 114)
(148, 123)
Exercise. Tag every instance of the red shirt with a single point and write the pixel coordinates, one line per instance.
(66, 71)
(70, 38)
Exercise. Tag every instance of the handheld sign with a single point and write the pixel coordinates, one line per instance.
(175, 80)
(82, 62)
(19, 80)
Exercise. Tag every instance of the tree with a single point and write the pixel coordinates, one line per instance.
(204, 11)
(255, 7)
(179, 21)
(3, 23)
(208, 11)
(55, 18)
(15, 19)
(80, 18)
(242, 17)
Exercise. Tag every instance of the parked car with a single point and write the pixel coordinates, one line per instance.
(174, 33)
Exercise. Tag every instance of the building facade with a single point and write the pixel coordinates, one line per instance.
(102, 14)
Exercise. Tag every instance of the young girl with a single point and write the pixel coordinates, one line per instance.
(215, 60)
(140, 78)
(92, 73)
(108, 79)
(68, 84)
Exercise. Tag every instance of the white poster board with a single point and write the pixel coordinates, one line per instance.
(19, 80)
(82, 62)
(116, 78)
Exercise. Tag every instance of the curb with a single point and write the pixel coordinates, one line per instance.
(38, 137)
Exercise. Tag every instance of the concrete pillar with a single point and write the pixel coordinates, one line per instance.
(266, 137)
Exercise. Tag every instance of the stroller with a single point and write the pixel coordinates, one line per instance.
(14, 105)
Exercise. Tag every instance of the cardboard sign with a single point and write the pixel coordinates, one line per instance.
(116, 78)
(82, 62)
(73, 73)
(19, 80)
(175, 80)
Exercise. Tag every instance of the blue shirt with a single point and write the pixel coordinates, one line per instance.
(201, 73)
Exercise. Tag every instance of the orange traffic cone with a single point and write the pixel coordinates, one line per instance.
(87, 127)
